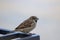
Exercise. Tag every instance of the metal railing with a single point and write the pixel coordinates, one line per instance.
(10, 35)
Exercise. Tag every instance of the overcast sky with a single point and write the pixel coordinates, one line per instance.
(13, 12)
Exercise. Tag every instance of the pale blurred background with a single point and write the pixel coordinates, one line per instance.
(13, 12)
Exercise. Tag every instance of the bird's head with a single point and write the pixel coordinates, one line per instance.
(34, 18)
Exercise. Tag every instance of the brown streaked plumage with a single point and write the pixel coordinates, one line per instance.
(28, 25)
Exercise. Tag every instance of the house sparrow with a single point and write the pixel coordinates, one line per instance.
(28, 25)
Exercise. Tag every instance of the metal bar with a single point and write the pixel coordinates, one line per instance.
(13, 35)
(4, 31)
(8, 35)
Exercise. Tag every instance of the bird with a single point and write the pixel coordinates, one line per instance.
(28, 25)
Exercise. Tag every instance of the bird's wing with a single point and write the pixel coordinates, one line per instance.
(25, 24)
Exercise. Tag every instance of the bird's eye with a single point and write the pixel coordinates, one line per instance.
(35, 20)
